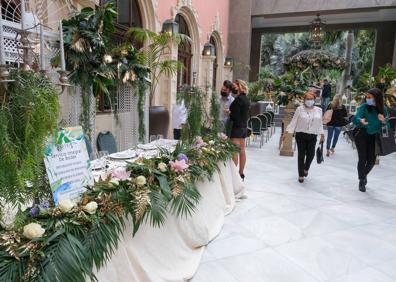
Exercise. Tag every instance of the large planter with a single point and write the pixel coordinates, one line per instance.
(255, 109)
(158, 121)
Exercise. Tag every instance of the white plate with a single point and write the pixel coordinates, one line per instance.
(149, 146)
(123, 155)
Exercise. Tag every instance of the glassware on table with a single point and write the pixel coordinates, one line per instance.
(102, 154)
(153, 138)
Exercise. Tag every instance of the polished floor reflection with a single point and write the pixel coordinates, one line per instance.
(321, 230)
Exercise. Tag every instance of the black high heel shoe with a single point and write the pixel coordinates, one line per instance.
(242, 176)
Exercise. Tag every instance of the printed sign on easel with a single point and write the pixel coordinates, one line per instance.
(68, 165)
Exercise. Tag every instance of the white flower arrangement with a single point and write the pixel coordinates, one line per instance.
(91, 207)
(162, 167)
(33, 230)
(65, 205)
(140, 180)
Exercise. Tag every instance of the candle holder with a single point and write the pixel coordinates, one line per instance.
(63, 80)
(4, 74)
(26, 47)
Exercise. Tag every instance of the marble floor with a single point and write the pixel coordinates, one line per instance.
(321, 230)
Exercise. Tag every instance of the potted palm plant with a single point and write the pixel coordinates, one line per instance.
(154, 53)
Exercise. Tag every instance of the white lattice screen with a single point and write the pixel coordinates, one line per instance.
(127, 124)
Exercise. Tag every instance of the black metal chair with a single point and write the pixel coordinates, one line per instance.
(272, 120)
(106, 142)
(269, 123)
(265, 125)
(255, 127)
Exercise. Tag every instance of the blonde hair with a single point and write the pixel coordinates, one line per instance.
(309, 93)
(336, 103)
(242, 86)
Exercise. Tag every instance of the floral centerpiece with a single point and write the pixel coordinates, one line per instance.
(66, 242)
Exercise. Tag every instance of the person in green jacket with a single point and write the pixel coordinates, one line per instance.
(369, 119)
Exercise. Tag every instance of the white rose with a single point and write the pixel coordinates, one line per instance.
(65, 205)
(162, 167)
(108, 59)
(211, 142)
(115, 182)
(33, 230)
(140, 180)
(91, 207)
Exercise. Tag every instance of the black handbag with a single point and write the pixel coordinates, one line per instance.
(386, 145)
(319, 154)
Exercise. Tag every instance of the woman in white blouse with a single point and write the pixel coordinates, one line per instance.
(307, 124)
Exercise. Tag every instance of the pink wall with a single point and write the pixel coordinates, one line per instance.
(207, 11)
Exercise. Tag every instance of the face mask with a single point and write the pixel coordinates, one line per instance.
(223, 94)
(234, 91)
(370, 102)
(309, 103)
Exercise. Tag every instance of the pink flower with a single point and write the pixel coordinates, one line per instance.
(120, 173)
(222, 136)
(178, 166)
(200, 142)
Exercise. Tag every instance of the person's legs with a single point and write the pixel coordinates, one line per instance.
(242, 156)
(301, 148)
(311, 145)
(371, 157)
(337, 131)
(235, 156)
(361, 146)
(330, 134)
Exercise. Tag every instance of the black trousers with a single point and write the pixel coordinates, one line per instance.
(306, 144)
(176, 134)
(365, 145)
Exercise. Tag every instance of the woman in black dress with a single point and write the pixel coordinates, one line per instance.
(239, 114)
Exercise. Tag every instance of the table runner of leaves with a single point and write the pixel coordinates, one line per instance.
(66, 243)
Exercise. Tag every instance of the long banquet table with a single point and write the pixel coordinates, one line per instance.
(173, 251)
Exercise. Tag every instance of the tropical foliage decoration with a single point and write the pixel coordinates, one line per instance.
(95, 63)
(65, 243)
(316, 60)
(214, 113)
(156, 51)
(384, 80)
(264, 87)
(28, 114)
(193, 98)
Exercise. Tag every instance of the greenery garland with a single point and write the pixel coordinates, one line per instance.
(28, 114)
(64, 243)
(193, 99)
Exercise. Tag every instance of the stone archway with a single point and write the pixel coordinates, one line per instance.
(219, 58)
(189, 17)
(147, 13)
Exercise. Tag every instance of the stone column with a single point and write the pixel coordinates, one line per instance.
(227, 73)
(287, 145)
(167, 89)
(207, 77)
(239, 33)
(384, 45)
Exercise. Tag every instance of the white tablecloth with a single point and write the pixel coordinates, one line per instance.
(173, 252)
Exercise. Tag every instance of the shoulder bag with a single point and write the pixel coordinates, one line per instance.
(319, 154)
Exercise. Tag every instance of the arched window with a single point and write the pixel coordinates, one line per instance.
(184, 54)
(128, 15)
(215, 64)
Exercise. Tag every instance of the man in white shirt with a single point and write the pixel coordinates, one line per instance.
(225, 101)
(179, 118)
